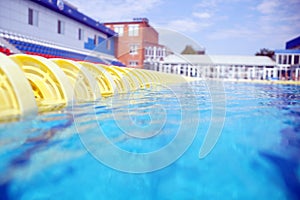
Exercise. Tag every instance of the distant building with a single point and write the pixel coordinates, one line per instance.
(285, 67)
(288, 60)
(293, 44)
(137, 42)
(218, 66)
(54, 28)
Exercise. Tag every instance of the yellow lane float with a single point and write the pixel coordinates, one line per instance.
(50, 85)
(81, 79)
(16, 96)
(121, 83)
(124, 76)
(31, 84)
(105, 82)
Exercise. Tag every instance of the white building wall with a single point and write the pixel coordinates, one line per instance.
(14, 18)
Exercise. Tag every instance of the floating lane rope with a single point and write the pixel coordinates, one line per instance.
(16, 95)
(50, 85)
(81, 79)
(31, 84)
(104, 80)
(122, 83)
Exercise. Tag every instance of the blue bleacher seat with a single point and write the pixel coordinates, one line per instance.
(44, 48)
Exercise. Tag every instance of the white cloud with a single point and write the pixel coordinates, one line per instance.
(115, 10)
(183, 25)
(189, 25)
(168, 37)
(208, 5)
(279, 19)
(202, 15)
(213, 5)
(237, 32)
(267, 6)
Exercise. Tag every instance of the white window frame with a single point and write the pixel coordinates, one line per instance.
(133, 63)
(133, 30)
(133, 49)
(119, 29)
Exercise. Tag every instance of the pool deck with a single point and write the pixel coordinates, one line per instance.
(190, 79)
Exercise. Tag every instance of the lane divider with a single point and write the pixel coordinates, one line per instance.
(50, 85)
(133, 82)
(83, 83)
(121, 82)
(104, 80)
(16, 95)
(30, 84)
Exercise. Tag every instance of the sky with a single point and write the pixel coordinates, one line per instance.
(221, 27)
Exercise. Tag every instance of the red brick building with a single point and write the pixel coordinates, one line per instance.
(137, 42)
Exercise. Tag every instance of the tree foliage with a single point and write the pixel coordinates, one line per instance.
(189, 50)
(266, 52)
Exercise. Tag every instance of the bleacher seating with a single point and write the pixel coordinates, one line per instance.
(47, 49)
(4, 49)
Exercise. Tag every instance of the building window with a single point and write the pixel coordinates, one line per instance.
(280, 59)
(95, 40)
(158, 52)
(151, 51)
(284, 61)
(119, 29)
(146, 51)
(296, 60)
(33, 17)
(133, 30)
(108, 44)
(60, 27)
(133, 49)
(133, 63)
(290, 59)
(80, 34)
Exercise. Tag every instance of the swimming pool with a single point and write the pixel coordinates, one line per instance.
(64, 155)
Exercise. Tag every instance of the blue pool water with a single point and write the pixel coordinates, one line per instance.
(65, 155)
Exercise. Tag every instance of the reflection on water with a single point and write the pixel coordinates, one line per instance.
(19, 148)
(287, 157)
(256, 157)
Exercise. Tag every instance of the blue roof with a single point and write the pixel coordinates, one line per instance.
(288, 51)
(293, 43)
(64, 9)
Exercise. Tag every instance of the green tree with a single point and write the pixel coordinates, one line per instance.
(189, 50)
(266, 52)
